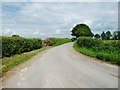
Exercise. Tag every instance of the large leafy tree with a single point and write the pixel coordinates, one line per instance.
(108, 35)
(97, 36)
(81, 30)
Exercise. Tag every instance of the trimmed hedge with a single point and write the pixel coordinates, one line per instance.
(108, 50)
(55, 41)
(109, 46)
(59, 41)
(88, 42)
(17, 45)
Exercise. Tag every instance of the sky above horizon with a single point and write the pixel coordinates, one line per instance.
(56, 19)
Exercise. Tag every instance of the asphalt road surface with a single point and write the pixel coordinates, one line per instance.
(62, 67)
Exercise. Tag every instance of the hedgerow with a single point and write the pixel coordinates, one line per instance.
(55, 41)
(108, 50)
(17, 45)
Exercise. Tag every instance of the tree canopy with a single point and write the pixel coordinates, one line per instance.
(97, 36)
(15, 36)
(108, 35)
(103, 35)
(116, 35)
(81, 30)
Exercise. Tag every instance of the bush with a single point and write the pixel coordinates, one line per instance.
(17, 45)
(47, 42)
(55, 41)
(88, 42)
(108, 50)
(73, 39)
(99, 45)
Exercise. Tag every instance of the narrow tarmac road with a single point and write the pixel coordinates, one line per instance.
(62, 67)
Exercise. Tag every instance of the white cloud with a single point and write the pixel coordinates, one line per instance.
(36, 32)
(43, 33)
(35, 15)
(61, 1)
(8, 31)
(57, 31)
(88, 22)
(39, 33)
(58, 19)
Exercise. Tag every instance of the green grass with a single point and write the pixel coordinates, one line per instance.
(110, 57)
(10, 62)
(60, 41)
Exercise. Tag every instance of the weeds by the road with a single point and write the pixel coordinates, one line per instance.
(10, 62)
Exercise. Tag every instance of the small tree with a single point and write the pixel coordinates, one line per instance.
(116, 35)
(73, 39)
(15, 36)
(103, 36)
(97, 36)
(81, 30)
(108, 35)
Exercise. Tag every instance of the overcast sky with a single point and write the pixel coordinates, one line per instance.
(50, 19)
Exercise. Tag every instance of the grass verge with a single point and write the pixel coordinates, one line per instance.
(10, 62)
(109, 57)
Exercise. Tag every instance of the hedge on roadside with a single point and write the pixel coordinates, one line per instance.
(109, 46)
(55, 41)
(17, 45)
(108, 50)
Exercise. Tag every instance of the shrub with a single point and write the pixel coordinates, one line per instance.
(47, 42)
(108, 50)
(55, 41)
(88, 42)
(99, 45)
(17, 45)
(73, 39)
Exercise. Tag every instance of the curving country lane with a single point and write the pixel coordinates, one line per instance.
(62, 67)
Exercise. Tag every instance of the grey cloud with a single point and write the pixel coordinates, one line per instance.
(49, 17)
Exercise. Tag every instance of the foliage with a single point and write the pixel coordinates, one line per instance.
(108, 50)
(97, 36)
(87, 42)
(108, 35)
(55, 41)
(73, 39)
(17, 45)
(15, 36)
(116, 35)
(47, 42)
(81, 30)
(0, 47)
(103, 36)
